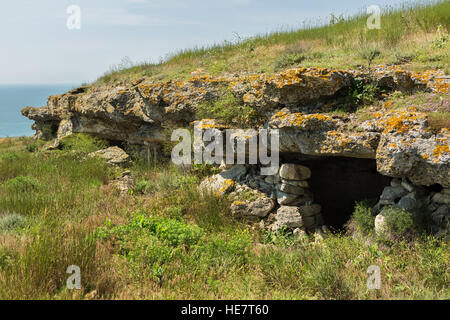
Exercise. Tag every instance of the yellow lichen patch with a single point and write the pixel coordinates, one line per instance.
(208, 124)
(297, 119)
(439, 150)
(340, 138)
(400, 121)
(227, 186)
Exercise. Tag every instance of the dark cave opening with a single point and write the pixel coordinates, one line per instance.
(337, 183)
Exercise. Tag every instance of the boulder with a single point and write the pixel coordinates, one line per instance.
(441, 198)
(393, 193)
(380, 224)
(285, 198)
(289, 217)
(291, 171)
(407, 203)
(113, 155)
(257, 208)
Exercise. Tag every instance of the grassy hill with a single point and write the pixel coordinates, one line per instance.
(413, 34)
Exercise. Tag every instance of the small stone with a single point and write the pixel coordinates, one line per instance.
(441, 215)
(306, 199)
(380, 224)
(291, 171)
(112, 155)
(441, 198)
(396, 182)
(303, 184)
(407, 203)
(393, 193)
(289, 217)
(258, 208)
(408, 186)
(285, 198)
(287, 188)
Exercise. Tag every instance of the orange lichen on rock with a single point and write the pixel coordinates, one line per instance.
(400, 121)
(297, 119)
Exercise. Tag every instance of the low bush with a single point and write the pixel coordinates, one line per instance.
(11, 222)
(22, 184)
(363, 218)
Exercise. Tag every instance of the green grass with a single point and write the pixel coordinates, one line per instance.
(407, 34)
(173, 243)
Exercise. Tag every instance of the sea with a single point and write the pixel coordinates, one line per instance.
(15, 97)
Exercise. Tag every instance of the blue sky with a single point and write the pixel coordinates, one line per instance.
(37, 47)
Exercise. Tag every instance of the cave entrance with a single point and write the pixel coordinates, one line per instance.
(337, 183)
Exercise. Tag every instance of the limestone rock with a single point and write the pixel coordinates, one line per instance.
(113, 155)
(441, 198)
(285, 198)
(124, 183)
(296, 183)
(407, 203)
(223, 182)
(289, 217)
(287, 188)
(294, 172)
(257, 208)
(393, 193)
(380, 224)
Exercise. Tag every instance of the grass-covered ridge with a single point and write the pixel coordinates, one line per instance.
(414, 34)
(166, 241)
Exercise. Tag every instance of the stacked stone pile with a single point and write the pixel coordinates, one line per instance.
(434, 207)
(295, 199)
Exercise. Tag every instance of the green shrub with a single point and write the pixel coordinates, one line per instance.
(22, 184)
(145, 187)
(363, 218)
(11, 222)
(83, 143)
(175, 232)
(9, 156)
(398, 221)
(289, 60)
(359, 95)
(369, 54)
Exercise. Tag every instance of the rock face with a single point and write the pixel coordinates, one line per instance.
(293, 102)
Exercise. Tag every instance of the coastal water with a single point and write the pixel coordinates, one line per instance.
(15, 97)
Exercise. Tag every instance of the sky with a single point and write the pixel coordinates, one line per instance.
(37, 47)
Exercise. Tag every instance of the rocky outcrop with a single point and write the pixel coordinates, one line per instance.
(296, 104)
